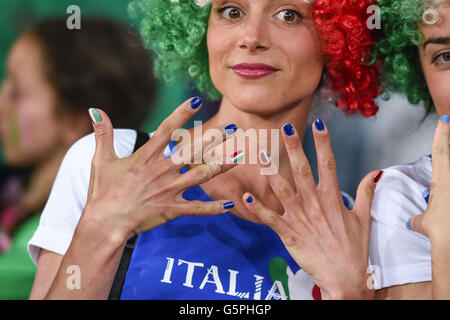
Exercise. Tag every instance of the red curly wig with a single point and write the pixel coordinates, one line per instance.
(347, 41)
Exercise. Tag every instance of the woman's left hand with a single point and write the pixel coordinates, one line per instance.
(435, 221)
(329, 242)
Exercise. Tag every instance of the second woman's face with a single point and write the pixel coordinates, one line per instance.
(264, 54)
(435, 59)
(29, 129)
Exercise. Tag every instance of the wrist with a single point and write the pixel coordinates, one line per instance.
(105, 227)
(362, 293)
(356, 287)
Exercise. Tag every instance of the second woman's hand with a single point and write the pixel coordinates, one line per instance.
(328, 241)
(138, 193)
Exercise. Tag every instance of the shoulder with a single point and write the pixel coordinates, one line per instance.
(402, 190)
(402, 256)
(124, 140)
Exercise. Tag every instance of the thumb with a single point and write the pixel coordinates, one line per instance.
(364, 197)
(416, 224)
(104, 135)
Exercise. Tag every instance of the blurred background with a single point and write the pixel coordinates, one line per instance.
(400, 133)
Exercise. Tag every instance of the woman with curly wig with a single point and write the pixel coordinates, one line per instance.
(265, 60)
(412, 201)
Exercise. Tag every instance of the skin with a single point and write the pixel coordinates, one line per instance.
(32, 132)
(435, 222)
(110, 217)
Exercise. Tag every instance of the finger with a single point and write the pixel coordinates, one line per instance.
(163, 135)
(199, 151)
(364, 197)
(202, 208)
(203, 173)
(280, 186)
(104, 135)
(268, 217)
(326, 162)
(301, 170)
(416, 224)
(440, 151)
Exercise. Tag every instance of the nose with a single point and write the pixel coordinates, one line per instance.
(254, 35)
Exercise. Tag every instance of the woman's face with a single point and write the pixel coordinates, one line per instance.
(29, 128)
(435, 59)
(264, 54)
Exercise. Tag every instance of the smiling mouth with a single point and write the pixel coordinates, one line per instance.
(253, 70)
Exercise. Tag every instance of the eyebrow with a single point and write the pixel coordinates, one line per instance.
(439, 40)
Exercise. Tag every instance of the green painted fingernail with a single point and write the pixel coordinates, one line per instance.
(95, 116)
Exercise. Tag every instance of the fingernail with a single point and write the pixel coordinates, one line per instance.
(319, 124)
(288, 129)
(444, 118)
(408, 225)
(228, 205)
(231, 128)
(377, 177)
(426, 195)
(264, 157)
(249, 199)
(237, 156)
(196, 102)
(95, 115)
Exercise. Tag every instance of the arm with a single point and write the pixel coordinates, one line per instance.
(412, 291)
(96, 251)
(47, 266)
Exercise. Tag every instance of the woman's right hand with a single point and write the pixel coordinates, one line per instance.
(138, 193)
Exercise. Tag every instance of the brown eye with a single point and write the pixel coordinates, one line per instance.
(288, 16)
(442, 59)
(230, 13)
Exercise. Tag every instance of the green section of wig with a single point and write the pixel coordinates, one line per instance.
(176, 33)
(398, 47)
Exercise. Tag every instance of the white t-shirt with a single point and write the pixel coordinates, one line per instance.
(401, 255)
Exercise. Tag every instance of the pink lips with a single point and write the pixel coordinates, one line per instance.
(253, 70)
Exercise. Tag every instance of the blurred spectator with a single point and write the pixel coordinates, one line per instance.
(54, 75)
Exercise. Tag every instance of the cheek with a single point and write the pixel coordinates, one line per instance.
(35, 127)
(217, 50)
(306, 63)
(439, 86)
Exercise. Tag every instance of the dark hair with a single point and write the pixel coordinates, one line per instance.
(103, 64)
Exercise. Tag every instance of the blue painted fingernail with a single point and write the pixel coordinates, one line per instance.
(228, 205)
(319, 124)
(444, 118)
(426, 195)
(231, 128)
(408, 225)
(249, 199)
(196, 102)
(288, 129)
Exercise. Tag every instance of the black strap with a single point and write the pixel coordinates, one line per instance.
(119, 278)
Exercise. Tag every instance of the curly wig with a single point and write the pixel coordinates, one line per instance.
(398, 47)
(175, 30)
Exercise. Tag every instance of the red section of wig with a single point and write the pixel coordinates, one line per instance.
(346, 39)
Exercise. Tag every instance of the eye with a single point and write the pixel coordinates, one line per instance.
(289, 16)
(230, 13)
(443, 58)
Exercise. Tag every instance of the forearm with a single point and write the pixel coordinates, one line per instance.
(440, 260)
(93, 258)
